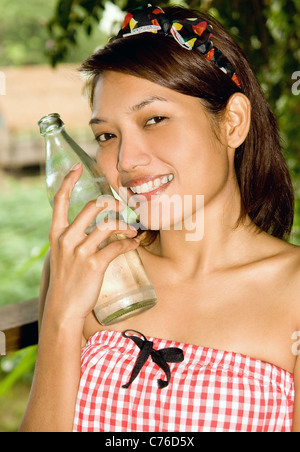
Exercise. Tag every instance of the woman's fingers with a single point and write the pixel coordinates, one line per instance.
(103, 204)
(76, 231)
(79, 260)
(97, 239)
(72, 238)
(100, 260)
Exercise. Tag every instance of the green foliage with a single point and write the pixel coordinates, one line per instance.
(15, 367)
(25, 38)
(24, 225)
(13, 406)
(16, 372)
(23, 33)
(70, 19)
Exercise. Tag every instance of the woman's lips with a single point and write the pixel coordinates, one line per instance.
(147, 187)
(146, 196)
(144, 185)
(142, 188)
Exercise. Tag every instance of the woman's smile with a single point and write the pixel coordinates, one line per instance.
(143, 188)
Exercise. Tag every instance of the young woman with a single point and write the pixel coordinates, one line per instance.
(176, 111)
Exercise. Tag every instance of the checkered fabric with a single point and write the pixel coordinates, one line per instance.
(210, 391)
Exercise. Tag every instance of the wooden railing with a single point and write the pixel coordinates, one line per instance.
(18, 326)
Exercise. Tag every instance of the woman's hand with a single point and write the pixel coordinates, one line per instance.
(77, 264)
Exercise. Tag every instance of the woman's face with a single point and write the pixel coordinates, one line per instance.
(157, 148)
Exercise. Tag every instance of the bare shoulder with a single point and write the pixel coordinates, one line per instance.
(293, 280)
(290, 256)
(287, 273)
(293, 304)
(286, 254)
(278, 266)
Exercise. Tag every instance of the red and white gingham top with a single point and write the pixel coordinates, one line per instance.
(210, 390)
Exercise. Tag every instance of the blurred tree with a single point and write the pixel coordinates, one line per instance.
(24, 35)
(23, 31)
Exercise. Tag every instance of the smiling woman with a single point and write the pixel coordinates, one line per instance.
(178, 115)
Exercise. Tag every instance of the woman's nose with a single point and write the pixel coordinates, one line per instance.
(132, 153)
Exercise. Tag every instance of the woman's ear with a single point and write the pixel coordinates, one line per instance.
(238, 117)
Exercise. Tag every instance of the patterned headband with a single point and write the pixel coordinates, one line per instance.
(191, 34)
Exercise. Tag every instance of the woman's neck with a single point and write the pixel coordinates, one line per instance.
(211, 239)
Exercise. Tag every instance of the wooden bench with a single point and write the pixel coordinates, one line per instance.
(18, 326)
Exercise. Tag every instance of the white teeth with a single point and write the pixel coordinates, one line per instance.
(151, 185)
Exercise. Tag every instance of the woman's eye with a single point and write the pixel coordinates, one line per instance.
(104, 137)
(155, 120)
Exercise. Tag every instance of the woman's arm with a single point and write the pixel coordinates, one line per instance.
(77, 270)
(52, 400)
(44, 286)
(72, 380)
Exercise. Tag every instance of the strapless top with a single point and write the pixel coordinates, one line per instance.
(133, 383)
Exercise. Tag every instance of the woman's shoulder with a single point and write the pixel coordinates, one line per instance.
(289, 256)
(277, 262)
(285, 251)
(286, 258)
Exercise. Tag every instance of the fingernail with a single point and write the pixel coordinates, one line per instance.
(75, 167)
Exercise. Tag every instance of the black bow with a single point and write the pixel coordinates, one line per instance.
(160, 357)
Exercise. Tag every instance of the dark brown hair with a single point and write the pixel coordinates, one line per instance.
(262, 173)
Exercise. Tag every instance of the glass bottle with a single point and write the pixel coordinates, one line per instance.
(126, 290)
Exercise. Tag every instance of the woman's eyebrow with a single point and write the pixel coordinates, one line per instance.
(149, 100)
(96, 121)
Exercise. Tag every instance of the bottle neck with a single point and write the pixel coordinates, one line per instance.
(54, 130)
